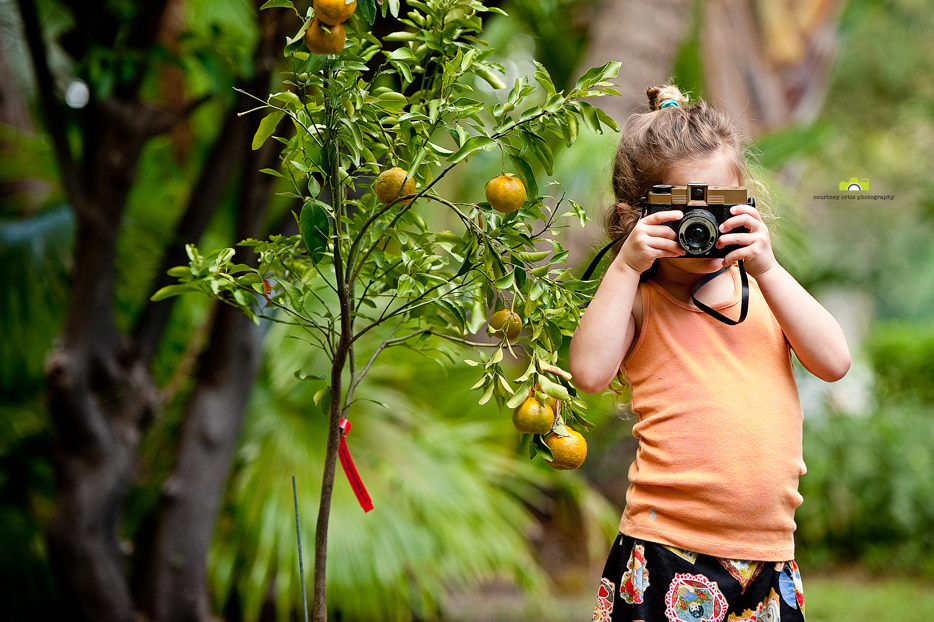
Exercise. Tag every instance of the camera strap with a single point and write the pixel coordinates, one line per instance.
(744, 305)
(744, 281)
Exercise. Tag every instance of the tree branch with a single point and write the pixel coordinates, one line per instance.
(208, 191)
(54, 120)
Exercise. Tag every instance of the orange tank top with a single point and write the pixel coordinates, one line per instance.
(719, 429)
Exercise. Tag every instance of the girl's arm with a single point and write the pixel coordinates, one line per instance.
(607, 328)
(813, 333)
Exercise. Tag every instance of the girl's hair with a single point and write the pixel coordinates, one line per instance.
(656, 141)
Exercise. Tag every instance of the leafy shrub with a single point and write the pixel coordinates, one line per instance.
(869, 491)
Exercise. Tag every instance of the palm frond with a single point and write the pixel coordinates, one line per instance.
(444, 488)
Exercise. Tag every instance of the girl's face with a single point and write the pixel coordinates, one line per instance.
(714, 170)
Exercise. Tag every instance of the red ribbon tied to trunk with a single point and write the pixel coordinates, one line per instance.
(351, 471)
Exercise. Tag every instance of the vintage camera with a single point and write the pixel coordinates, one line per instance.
(705, 208)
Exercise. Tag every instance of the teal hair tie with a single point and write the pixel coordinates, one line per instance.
(668, 103)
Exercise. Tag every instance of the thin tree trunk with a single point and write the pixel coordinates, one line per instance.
(191, 496)
(177, 588)
(319, 609)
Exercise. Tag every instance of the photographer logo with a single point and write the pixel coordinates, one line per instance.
(854, 189)
(854, 185)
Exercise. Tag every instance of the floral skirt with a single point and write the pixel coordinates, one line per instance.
(645, 581)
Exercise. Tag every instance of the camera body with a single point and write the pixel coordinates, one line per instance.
(705, 208)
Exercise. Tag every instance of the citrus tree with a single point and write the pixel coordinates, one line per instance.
(378, 123)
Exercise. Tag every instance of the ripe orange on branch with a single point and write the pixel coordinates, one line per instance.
(568, 451)
(321, 41)
(392, 183)
(533, 417)
(505, 193)
(506, 323)
(333, 12)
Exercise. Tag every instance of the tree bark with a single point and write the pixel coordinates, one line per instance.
(101, 395)
(177, 588)
(767, 64)
(645, 36)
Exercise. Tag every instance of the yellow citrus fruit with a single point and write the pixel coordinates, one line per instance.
(333, 12)
(569, 451)
(505, 193)
(506, 323)
(533, 417)
(321, 41)
(392, 183)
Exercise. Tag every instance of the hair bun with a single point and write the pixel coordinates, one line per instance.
(658, 94)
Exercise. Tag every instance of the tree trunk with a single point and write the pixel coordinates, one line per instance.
(101, 395)
(769, 63)
(97, 400)
(645, 36)
(177, 588)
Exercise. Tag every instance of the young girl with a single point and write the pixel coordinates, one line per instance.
(707, 532)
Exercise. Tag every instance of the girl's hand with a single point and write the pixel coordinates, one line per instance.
(651, 240)
(756, 251)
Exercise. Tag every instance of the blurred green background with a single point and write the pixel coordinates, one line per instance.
(466, 527)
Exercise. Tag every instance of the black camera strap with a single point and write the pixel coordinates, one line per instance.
(744, 280)
(744, 305)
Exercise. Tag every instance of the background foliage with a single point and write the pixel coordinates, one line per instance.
(868, 493)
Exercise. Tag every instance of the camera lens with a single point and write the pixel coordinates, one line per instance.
(697, 236)
(697, 194)
(697, 232)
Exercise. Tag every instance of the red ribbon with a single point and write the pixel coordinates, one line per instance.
(351, 471)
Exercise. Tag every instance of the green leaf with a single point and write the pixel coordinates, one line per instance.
(590, 117)
(301, 375)
(402, 54)
(266, 128)
(491, 78)
(487, 394)
(287, 99)
(519, 395)
(526, 174)
(533, 257)
(506, 281)
(538, 445)
(569, 128)
(543, 151)
(553, 389)
(392, 100)
(606, 119)
(315, 230)
(598, 74)
(472, 146)
(282, 4)
(367, 10)
(170, 290)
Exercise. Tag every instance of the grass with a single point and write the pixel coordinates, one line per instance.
(838, 597)
(857, 599)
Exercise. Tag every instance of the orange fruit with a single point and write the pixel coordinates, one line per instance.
(506, 323)
(533, 417)
(505, 193)
(321, 41)
(568, 451)
(392, 183)
(333, 12)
